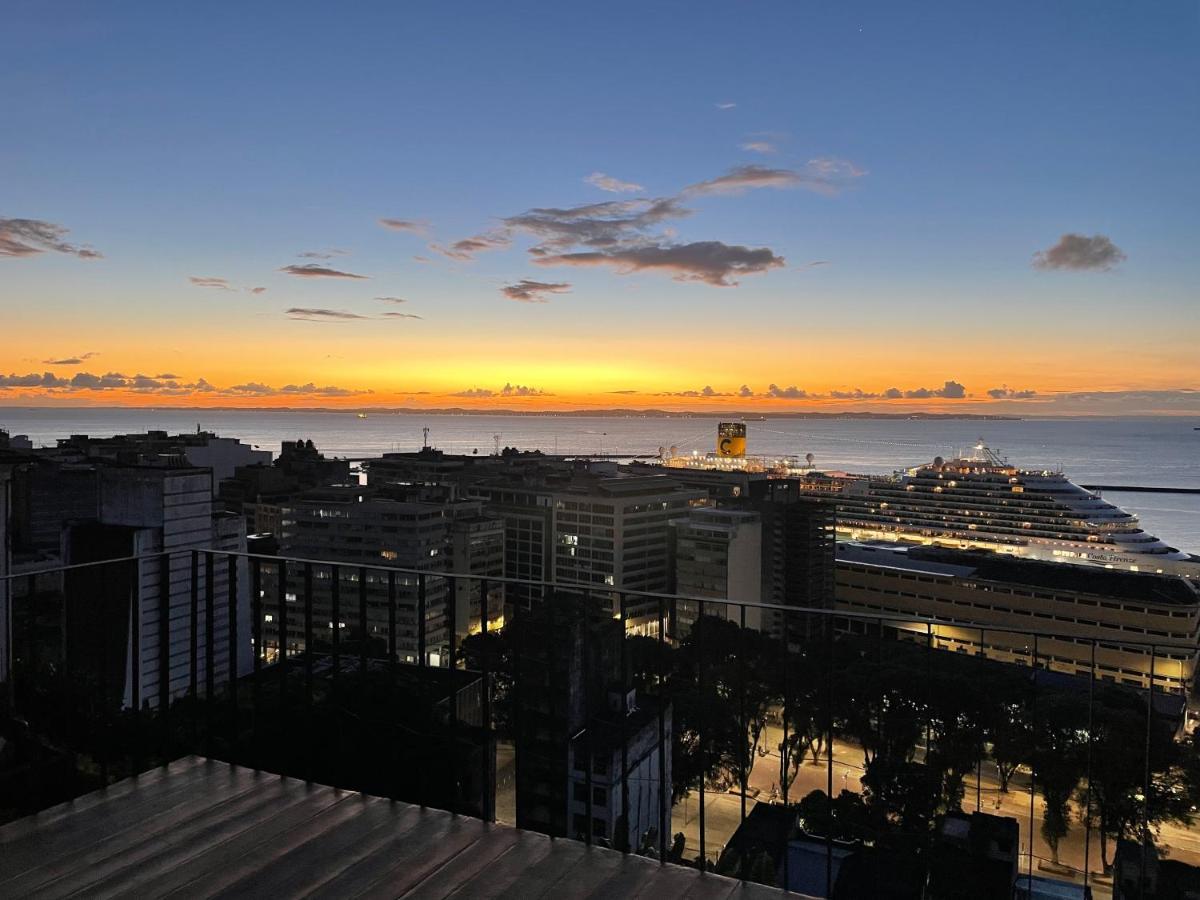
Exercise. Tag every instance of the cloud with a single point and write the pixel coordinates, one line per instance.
(311, 314)
(220, 284)
(509, 390)
(824, 175)
(526, 291)
(612, 185)
(311, 270)
(413, 226)
(468, 247)
(951, 390)
(1178, 400)
(744, 391)
(854, 394)
(399, 315)
(791, 392)
(312, 389)
(70, 360)
(391, 299)
(167, 385)
(621, 392)
(599, 225)
(34, 379)
(725, 105)
(1006, 393)
(711, 262)
(29, 237)
(323, 254)
(257, 290)
(759, 146)
(1079, 253)
(521, 390)
(706, 391)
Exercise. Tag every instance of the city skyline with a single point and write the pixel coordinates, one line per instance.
(761, 208)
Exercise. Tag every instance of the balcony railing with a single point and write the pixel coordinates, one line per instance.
(653, 723)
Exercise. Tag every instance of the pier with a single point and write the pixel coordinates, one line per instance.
(1138, 489)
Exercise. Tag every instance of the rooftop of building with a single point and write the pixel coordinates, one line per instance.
(1142, 587)
(201, 828)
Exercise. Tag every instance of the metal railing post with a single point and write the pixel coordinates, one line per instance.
(1146, 838)
(1087, 818)
(625, 845)
(256, 635)
(309, 656)
(362, 621)
(335, 607)
(828, 626)
(209, 654)
(393, 651)
(422, 654)
(664, 790)
(1033, 762)
(743, 730)
(700, 654)
(231, 611)
(281, 652)
(135, 664)
(164, 654)
(485, 713)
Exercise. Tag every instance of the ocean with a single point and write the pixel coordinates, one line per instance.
(1148, 451)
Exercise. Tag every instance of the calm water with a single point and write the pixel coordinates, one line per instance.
(1139, 451)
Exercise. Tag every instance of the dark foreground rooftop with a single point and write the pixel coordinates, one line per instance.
(200, 828)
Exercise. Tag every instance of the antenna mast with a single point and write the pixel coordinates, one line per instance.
(425, 432)
(496, 439)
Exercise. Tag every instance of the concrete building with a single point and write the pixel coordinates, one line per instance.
(367, 527)
(718, 556)
(164, 514)
(477, 549)
(798, 539)
(627, 810)
(986, 599)
(614, 532)
(203, 449)
(149, 517)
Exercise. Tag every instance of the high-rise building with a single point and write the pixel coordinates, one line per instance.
(142, 525)
(719, 556)
(361, 527)
(613, 532)
(798, 540)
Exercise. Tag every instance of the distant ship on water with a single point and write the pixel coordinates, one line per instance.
(975, 501)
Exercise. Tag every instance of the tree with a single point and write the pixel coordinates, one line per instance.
(1117, 795)
(956, 732)
(1011, 734)
(1059, 746)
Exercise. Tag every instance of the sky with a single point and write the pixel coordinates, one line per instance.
(680, 205)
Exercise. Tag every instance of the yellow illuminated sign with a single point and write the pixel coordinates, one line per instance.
(731, 439)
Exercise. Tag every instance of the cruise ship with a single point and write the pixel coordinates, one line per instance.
(976, 501)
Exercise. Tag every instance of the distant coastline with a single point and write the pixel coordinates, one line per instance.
(565, 413)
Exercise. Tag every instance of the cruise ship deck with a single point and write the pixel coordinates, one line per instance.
(201, 828)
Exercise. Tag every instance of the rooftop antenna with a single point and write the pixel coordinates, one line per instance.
(425, 432)
(496, 439)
